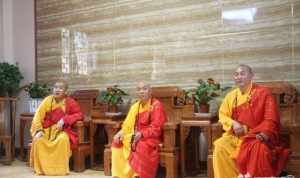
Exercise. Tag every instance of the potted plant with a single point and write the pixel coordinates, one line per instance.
(10, 78)
(36, 92)
(204, 93)
(112, 96)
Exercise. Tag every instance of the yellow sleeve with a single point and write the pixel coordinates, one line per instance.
(225, 112)
(128, 124)
(40, 115)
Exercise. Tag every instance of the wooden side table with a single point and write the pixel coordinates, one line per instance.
(24, 119)
(194, 121)
(111, 125)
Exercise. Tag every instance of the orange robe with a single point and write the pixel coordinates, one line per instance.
(144, 158)
(260, 114)
(50, 154)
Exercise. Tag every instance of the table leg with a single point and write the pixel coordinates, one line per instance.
(208, 135)
(184, 132)
(92, 142)
(22, 125)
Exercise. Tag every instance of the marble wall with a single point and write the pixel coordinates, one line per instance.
(96, 43)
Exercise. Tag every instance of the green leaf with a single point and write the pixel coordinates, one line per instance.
(113, 96)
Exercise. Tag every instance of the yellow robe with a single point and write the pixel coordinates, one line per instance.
(50, 154)
(226, 147)
(120, 164)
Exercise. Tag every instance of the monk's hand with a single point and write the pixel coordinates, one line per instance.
(262, 137)
(38, 135)
(238, 129)
(60, 124)
(118, 138)
(137, 136)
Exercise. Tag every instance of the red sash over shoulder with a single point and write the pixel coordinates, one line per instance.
(260, 114)
(70, 116)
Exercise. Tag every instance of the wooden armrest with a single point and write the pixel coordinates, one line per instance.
(79, 124)
(80, 127)
(216, 126)
(217, 131)
(295, 129)
(84, 123)
(171, 125)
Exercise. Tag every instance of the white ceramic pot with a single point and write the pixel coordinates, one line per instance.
(34, 104)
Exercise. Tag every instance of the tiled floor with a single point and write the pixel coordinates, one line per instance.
(19, 169)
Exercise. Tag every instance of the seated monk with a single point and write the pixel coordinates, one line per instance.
(135, 148)
(52, 133)
(250, 145)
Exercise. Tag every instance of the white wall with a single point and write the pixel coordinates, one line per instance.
(1, 31)
(23, 33)
(17, 43)
(8, 43)
(24, 49)
(17, 34)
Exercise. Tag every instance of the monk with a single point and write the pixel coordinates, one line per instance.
(135, 148)
(250, 145)
(52, 133)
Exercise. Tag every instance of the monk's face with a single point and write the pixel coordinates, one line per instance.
(59, 90)
(143, 92)
(242, 77)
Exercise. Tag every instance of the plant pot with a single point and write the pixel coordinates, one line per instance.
(34, 103)
(203, 108)
(112, 108)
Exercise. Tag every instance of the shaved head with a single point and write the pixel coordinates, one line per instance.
(243, 77)
(144, 84)
(144, 91)
(62, 83)
(247, 67)
(59, 89)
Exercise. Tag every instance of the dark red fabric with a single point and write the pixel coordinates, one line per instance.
(144, 159)
(52, 117)
(70, 116)
(260, 159)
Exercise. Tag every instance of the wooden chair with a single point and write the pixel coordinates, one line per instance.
(285, 95)
(7, 139)
(169, 149)
(86, 100)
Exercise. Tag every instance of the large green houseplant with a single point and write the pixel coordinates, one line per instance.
(10, 78)
(112, 96)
